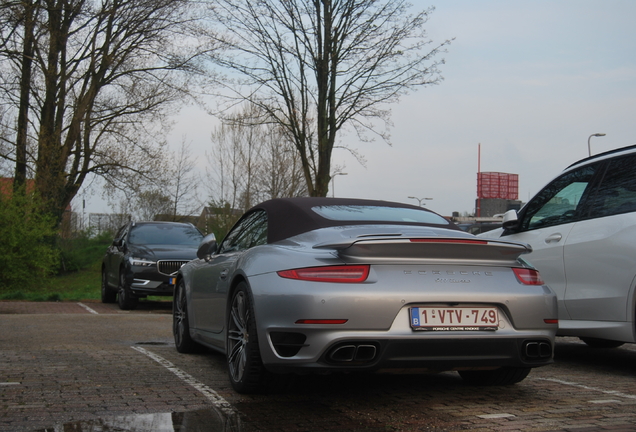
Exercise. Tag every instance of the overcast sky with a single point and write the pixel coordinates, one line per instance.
(529, 80)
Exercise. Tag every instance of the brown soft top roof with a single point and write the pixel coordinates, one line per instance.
(288, 217)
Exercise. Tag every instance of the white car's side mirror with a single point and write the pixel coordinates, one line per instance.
(510, 219)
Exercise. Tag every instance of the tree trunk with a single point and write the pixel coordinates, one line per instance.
(325, 46)
(25, 91)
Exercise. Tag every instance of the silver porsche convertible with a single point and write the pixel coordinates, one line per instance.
(341, 285)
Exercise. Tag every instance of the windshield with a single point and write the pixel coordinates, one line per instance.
(171, 234)
(380, 214)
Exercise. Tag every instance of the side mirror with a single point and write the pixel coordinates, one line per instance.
(118, 242)
(207, 247)
(510, 220)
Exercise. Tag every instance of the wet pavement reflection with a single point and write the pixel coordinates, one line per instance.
(208, 420)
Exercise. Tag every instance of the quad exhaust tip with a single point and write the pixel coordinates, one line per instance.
(353, 353)
(537, 350)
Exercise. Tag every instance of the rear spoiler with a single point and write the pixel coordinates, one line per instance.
(428, 250)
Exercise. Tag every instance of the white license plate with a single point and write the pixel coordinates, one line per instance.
(454, 318)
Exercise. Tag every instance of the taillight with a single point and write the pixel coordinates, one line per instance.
(338, 274)
(528, 276)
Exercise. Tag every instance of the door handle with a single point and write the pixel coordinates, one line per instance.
(554, 238)
(224, 274)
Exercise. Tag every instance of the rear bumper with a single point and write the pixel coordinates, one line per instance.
(375, 318)
(467, 353)
(407, 355)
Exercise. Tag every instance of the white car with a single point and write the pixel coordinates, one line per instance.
(582, 229)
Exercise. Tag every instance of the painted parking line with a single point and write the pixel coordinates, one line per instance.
(495, 416)
(217, 401)
(586, 387)
(88, 309)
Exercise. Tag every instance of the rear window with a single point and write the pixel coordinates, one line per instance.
(352, 213)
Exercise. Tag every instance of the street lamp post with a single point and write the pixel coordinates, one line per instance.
(589, 149)
(419, 200)
(333, 187)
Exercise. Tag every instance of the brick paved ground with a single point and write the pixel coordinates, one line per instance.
(62, 364)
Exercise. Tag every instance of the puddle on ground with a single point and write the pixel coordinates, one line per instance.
(208, 420)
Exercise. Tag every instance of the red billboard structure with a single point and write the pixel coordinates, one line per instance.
(497, 185)
(494, 185)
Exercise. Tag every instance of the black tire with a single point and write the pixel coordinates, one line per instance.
(245, 368)
(496, 377)
(601, 343)
(108, 295)
(180, 324)
(125, 297)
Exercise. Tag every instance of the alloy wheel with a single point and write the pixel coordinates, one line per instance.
(179, 317)
(238, 336)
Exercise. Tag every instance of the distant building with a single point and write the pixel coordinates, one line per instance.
(497, 206)
(176, 218)
(497, 193)
(6, 186)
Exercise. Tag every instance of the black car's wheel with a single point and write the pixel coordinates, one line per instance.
(601, 343)
(497, 377)
(125, 297)
(108, 295)
(180, 323)
(245, 367)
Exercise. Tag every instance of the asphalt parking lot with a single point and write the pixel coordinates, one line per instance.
(91, 367)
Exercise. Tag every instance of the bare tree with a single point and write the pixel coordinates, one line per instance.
(252, 161)
(182, 184)
(152, 203)
(249, 162)
(226, 182)
(171, 195)
(31, 10)
(280, 172)
(314, 66)
(225, 167)
(92, 82)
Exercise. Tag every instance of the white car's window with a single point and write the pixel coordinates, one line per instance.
(617, 192)
(560, 207)
(560, 201)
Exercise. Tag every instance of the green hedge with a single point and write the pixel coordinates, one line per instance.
(27, 250)
(82, 250)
